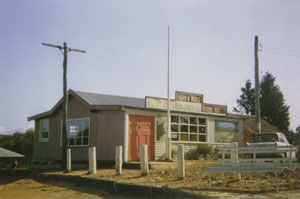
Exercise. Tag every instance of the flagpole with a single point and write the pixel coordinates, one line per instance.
(168, 140)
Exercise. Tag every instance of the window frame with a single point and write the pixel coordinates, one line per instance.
(42, 139)
(188, 124)
(89, 133)
(227, 121)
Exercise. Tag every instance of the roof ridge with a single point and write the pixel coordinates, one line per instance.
(105, 94)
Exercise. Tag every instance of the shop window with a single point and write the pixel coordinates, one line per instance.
(188, 129)
(44, 130)
(226, 131)
(161, 128)
(78, 132)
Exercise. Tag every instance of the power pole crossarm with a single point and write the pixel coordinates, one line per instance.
(73, 49)
(51, 45)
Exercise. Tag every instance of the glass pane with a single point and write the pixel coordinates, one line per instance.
(78, 141)
(174, 136)
(193, 137)
(45, 134)
(72, 129)
(184, 128)
(193, 129)
(45, 125)
(86, 132)
(161, 128)
(201, 121)
(174, 128)
(80, 134)
(184, 120)
(174, 119)
(193, 120)
(202, 138)
(79, 124)
(71, 142)
(201, 129)
(85, 141)
(184, 137)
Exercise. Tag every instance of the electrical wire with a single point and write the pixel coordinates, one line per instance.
(279, 51)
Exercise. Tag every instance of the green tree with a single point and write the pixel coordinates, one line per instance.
(298, 130)
(246, 103)
(273, 108)
(20, 143)
(272, 103)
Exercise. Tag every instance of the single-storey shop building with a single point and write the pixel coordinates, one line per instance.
(107, 121)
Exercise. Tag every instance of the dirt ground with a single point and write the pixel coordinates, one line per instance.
(256, 185)
(28, 187)
(162, 174)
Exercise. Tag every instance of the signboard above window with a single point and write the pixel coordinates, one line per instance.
(186, 102)
(211, 108)
(188, 97)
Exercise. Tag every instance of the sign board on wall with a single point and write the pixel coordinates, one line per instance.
(188, 97)
(186, 102)
(211, 108)
(159, 103)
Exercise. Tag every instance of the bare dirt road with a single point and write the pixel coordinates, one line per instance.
(161, 175)
(31, 188)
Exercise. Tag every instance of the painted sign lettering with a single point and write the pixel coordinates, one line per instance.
(210, 108)
(189, 97)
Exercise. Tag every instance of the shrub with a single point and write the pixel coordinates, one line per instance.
(203, 151)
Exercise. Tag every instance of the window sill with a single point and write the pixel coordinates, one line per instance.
(44, 140)
(187, 142)
(77, 146)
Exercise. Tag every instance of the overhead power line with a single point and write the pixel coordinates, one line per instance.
(279, 51)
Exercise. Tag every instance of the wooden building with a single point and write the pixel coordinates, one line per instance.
(107, 121)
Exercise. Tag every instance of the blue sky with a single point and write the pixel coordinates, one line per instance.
(126, 42)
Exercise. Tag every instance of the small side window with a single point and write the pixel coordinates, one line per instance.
(44, 130)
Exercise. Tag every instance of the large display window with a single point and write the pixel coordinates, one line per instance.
(226, 131)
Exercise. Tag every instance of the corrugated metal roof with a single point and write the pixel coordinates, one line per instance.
(4, 153)
(103, 99)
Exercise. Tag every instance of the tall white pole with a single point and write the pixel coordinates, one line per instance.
(168, 140)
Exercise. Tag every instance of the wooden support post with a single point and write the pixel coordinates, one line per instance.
(119, 160)
(144, 160)
(68, 160)
(257, 87)
(181, 169)
(92, 160)
(66, 50)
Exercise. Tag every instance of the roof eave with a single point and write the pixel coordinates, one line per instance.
(40, 115)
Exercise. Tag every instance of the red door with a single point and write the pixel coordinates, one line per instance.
(141, 131)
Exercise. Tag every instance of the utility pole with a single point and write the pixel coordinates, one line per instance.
(65, 52)
(257, 88)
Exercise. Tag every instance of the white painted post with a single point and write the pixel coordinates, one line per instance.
(92, 160)
(181, 169)
(144, 160)
(119, 160)
(69, 160)
(236, 156)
